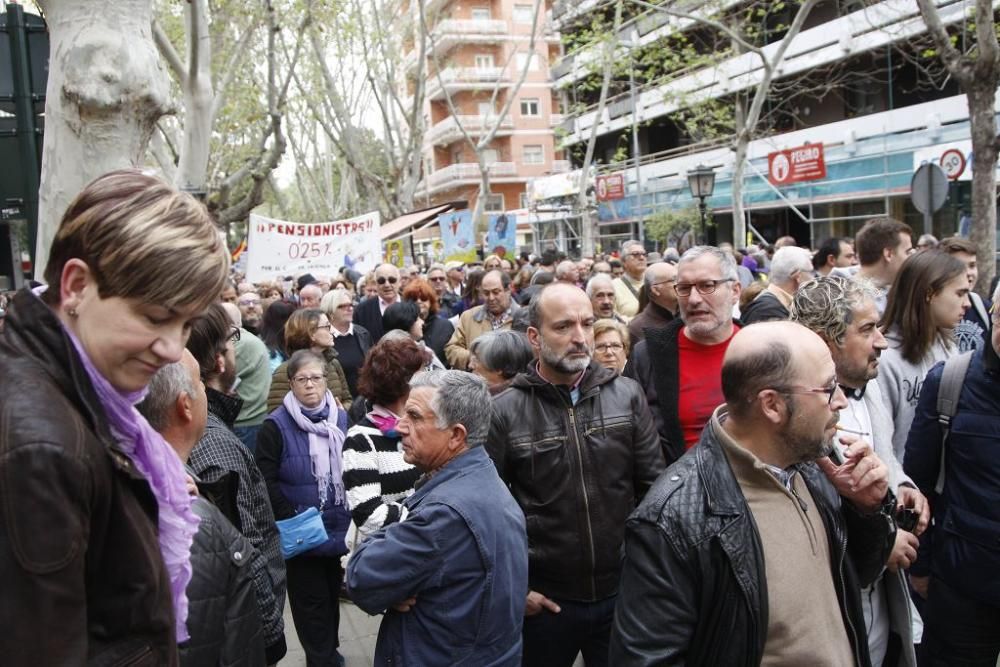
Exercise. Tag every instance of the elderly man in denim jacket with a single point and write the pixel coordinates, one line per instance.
(453, 574)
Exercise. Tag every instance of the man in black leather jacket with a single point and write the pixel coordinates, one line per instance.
(577, 446)
(223, 619)
(754, 545)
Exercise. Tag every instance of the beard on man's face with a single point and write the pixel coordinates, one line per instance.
(564, 362)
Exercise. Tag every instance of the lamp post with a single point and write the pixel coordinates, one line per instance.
(701, 180)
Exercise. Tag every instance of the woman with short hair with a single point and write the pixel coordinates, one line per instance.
(498, 356)
(351, 341)
(404, 316)
(928, 299)
(611, 344)
(309, 329)
(300, 454)
(272, 331)
(437, 330)
(96, 524)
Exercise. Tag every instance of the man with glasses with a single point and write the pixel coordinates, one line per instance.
(438, 279)
(739, 553)
(369, 312)
(658, 281)
(678, 366)
(628, 284)
(496, 313)
(250, 311)
(222, 460)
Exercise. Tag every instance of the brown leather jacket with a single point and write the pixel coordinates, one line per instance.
(83, 579)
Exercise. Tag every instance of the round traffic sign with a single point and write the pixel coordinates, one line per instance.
(929, 188)
(953, 163)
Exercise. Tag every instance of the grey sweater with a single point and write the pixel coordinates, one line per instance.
(900, 382)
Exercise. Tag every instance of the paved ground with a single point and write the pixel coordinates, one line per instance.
(358, 632)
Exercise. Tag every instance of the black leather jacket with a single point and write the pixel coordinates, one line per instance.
(693, 586)
(576, 471)
(223, 619)
(83, 578)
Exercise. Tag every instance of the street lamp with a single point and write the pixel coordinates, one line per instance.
(701, 180)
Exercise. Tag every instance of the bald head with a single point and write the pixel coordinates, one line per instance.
(567, 272)
(770, 355)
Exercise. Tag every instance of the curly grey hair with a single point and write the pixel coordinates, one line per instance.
(826, 305)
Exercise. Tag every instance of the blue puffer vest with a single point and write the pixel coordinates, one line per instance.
(299, 486)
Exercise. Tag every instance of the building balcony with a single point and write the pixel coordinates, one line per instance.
(556, 119)
(448, 130)
(456, 79)
(450, 33)
(464, 174)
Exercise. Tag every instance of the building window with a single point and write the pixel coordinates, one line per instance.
(523, 13)
(484, 61)
(481, 14)
(494, 204)
(522, 58)
(529, 106)
(523, 198)
(533, 154)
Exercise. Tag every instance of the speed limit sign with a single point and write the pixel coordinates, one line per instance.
(953, 163)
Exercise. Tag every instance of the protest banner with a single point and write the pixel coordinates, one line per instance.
(501, 236)
(278, 248)
(458, 235)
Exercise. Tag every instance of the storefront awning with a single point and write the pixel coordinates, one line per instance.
(409, 220)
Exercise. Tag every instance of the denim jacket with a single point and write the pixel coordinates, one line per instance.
(462, 552)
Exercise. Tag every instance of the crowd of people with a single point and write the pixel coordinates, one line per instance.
(719, 456)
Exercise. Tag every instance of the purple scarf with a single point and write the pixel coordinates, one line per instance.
(156, 460)
(326, 445)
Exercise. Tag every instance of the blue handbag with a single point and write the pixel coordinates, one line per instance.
(301, 533)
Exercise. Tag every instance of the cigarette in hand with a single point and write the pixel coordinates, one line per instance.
(841, 427)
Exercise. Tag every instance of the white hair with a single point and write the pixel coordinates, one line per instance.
(601, 278)
(787, 261)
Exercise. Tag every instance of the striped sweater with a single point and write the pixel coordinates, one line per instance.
(376, 478)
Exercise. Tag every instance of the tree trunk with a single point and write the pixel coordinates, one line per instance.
(982, 97)
(196, 83)
(106, 90)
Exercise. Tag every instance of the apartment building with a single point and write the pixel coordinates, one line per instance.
(856, 81)
(476, 51)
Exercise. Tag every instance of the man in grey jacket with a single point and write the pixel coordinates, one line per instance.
(843, 312)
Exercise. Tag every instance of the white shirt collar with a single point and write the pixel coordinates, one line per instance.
(336, 333)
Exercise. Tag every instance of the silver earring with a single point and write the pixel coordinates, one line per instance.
(71, 312)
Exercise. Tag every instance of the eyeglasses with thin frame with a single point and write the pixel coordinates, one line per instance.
(306, 380)
(830, 390)
(704, 287)
(609, 347)
(437, 279)
(326, 326)
(637, 254)
(382, 280)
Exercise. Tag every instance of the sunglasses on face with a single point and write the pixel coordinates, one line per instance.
(383, 280)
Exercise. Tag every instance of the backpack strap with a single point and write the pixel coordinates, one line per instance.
(952, 379)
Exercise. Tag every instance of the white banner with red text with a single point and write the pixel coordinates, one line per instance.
(278, 248)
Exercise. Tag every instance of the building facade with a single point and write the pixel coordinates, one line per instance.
(856, 80)
(482, 56)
